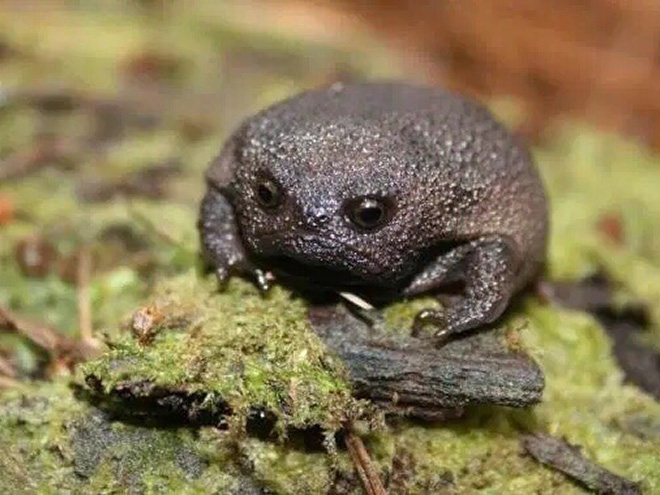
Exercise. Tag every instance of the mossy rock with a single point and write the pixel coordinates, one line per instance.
(201, 354)
(234, 351)
(53, 442)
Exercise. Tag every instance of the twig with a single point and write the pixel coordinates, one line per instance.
(19, 165)
(363, 465)
(357, 301)
(49, 99)
(44, 153)
(568, 459)
(6, 368)
(57, 345)
(83, 271)
(7, 382)
(41, 335)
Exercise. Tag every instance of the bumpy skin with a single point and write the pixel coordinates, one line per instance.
(466, 208)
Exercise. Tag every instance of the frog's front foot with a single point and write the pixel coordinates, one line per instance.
(261, 278)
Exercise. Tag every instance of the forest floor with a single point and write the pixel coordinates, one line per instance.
(107, 122)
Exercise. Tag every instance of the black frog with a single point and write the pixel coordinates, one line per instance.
(384, 190)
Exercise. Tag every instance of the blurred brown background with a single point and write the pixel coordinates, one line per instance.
(593, 59)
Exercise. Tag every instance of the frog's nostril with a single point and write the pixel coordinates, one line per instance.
(318, 216)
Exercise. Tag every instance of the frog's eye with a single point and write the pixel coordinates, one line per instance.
(369, 213)
(268, 193)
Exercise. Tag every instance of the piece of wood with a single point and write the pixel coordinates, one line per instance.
(566, 458)
(413, 377)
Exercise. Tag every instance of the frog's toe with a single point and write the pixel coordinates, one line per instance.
(222, 276)
(441, 337)
(436, 319)
(427, 317)
(262, 279)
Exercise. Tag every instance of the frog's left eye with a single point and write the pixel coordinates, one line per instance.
(369, 213)
(268, 193)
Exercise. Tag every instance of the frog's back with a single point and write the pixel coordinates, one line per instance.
(441, 129)
(379, 104)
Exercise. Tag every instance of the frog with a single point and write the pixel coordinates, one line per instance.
(386, 190)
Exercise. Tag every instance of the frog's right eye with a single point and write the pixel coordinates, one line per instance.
(268, 193)
(369, 213)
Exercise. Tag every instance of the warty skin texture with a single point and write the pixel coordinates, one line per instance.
(458, 201)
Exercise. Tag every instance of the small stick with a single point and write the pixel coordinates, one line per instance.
(19, 165)
(7, 382)
(43, 153)
(46, 337)
(362, 309)
(568, 459)
(6, 368)
(366, 471)
(42, 335)
(357, 301)
(83, 271)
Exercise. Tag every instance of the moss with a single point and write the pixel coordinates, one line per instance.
(586, 404)
(604, 211)
(31, 429)
(55, 443)
(249, 351)
(398, 317)
(285, 470)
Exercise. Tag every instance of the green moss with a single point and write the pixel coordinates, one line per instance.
(589, 405)
(285, 470)
(594, 179)
(249, 351)
(398, 317)
(55, 443)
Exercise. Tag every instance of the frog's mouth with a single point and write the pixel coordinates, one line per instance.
(314, 274)
(319, 263)
(306, 277)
